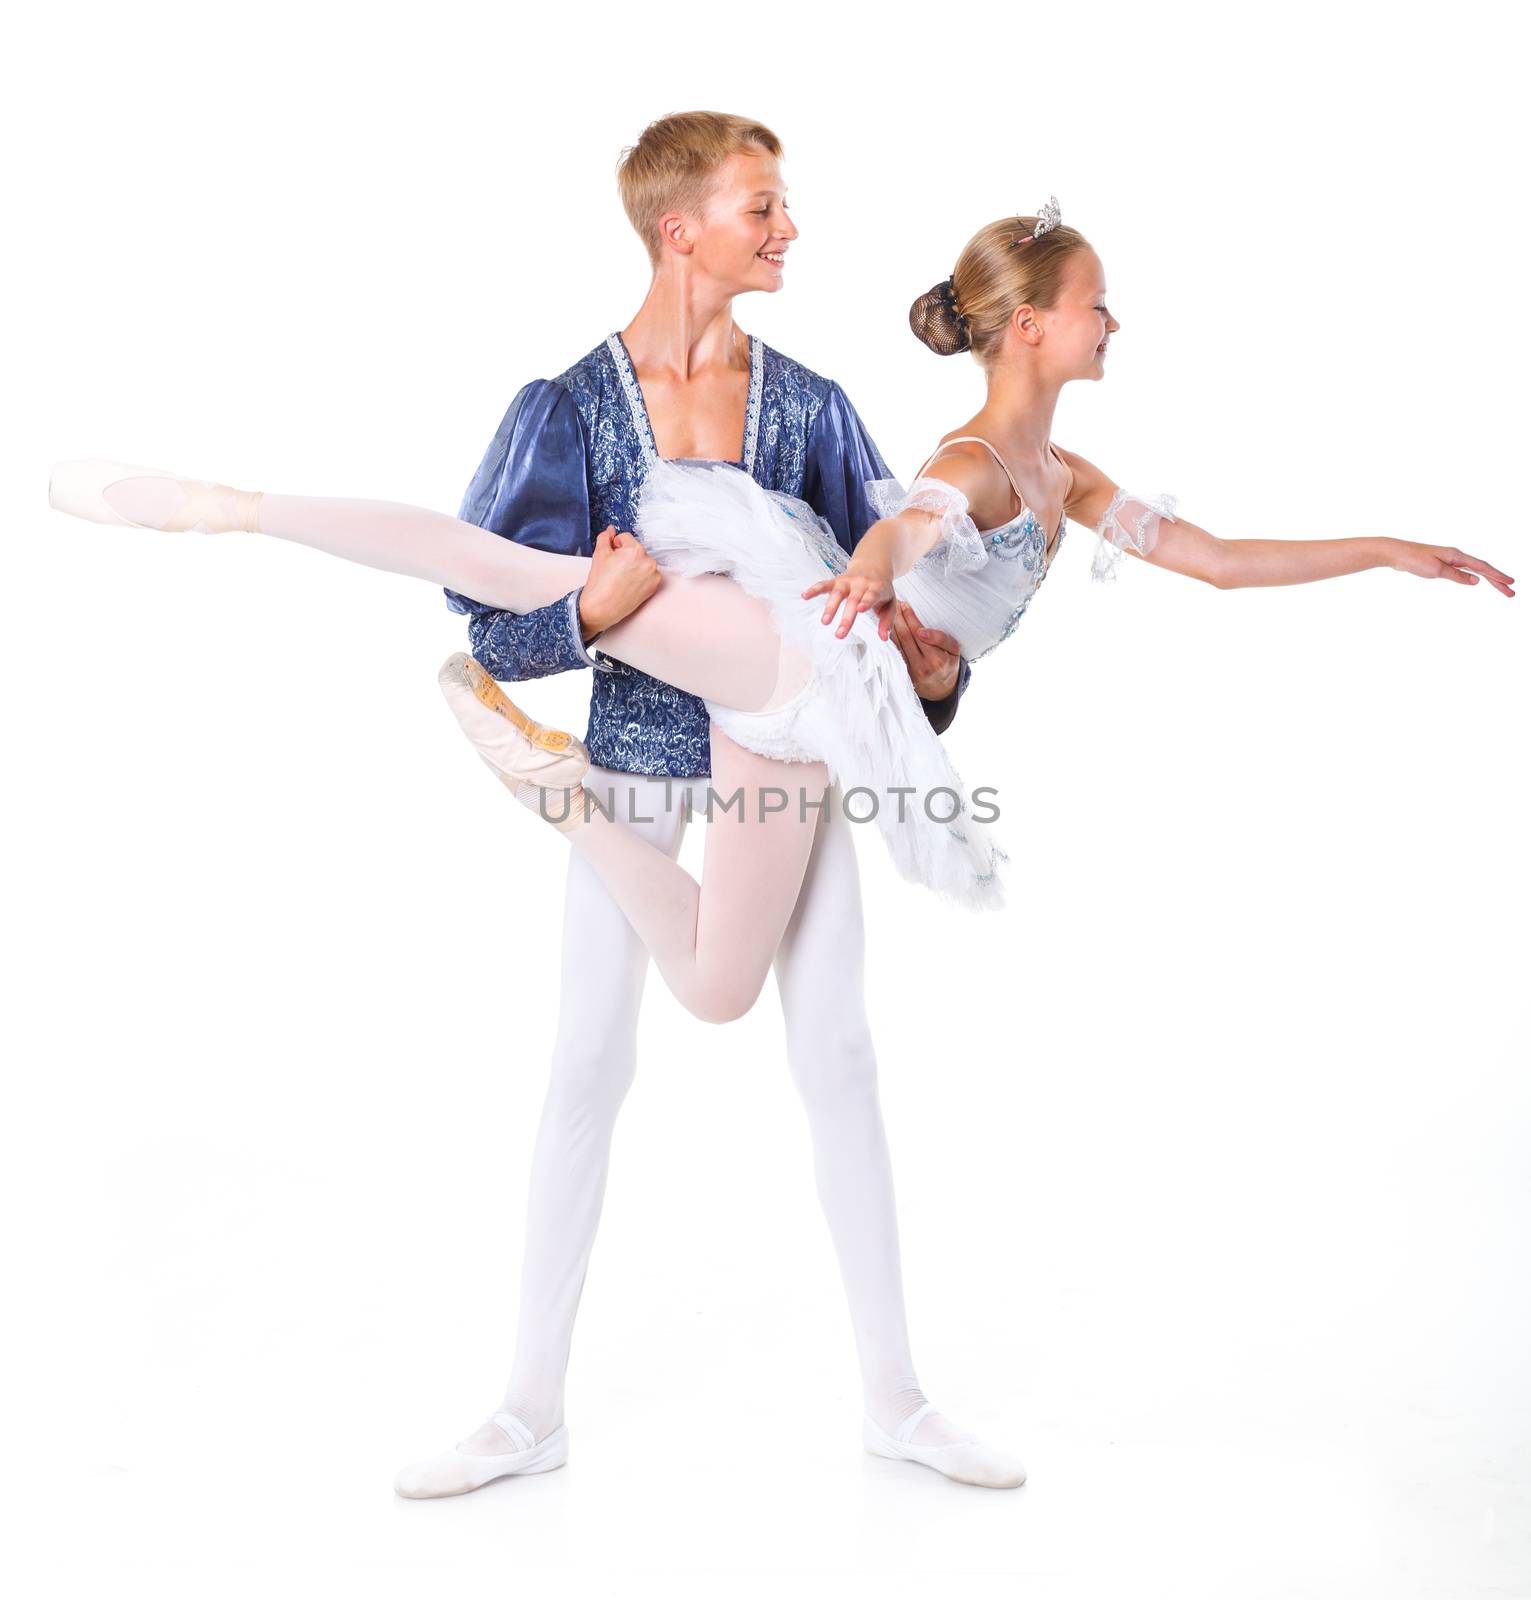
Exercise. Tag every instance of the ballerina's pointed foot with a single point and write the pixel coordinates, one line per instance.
(543, 767)
(963, 1459)
(459, 1471)
(126, 496)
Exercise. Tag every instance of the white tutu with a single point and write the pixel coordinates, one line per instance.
(859, 713)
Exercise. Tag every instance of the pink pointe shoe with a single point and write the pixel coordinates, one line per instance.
(161, 500)
(543, 767)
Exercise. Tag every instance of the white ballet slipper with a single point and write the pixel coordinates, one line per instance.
(458, 1471)
(963, 1460)
(78, 487)
(522, 752)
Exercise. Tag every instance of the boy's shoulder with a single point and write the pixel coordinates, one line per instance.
(793, 388)
(783, 371)
(590, 377)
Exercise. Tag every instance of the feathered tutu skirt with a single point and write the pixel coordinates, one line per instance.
(858, 713)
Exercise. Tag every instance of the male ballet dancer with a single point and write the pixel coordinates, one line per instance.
(705, 193)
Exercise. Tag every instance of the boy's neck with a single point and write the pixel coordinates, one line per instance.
(682, 329)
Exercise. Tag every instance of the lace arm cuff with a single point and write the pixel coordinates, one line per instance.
(1131, 522)
(959, 545)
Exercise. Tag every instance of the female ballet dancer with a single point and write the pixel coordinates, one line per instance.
(818, 693)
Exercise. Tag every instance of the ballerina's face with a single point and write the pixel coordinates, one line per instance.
(1079, 327)
(741, 238)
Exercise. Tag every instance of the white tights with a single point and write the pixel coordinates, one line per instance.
(819, 973)
(713, 942)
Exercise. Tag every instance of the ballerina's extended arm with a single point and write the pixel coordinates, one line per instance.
(1145, 529)
(1180, 546)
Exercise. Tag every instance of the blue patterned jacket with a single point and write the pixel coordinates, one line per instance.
(571, 456)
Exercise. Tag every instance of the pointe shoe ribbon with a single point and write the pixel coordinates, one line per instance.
(965, 1460)
(79, 488)
(519, 750)
(205, 509)
(459, 1471)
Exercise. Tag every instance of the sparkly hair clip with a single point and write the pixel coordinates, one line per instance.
(1048, 218)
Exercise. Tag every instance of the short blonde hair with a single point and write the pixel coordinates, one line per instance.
(672, 166)
(1001, 267)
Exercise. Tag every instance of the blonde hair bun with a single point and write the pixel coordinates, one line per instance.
(1004, 265)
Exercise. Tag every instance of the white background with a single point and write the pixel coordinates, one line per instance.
(1210, 1148)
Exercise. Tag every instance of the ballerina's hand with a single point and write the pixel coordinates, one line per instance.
(857, 592)
(1445, 561)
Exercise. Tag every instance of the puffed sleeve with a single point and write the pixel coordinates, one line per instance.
(842, 460)
(1131, 522)
(532, 487)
